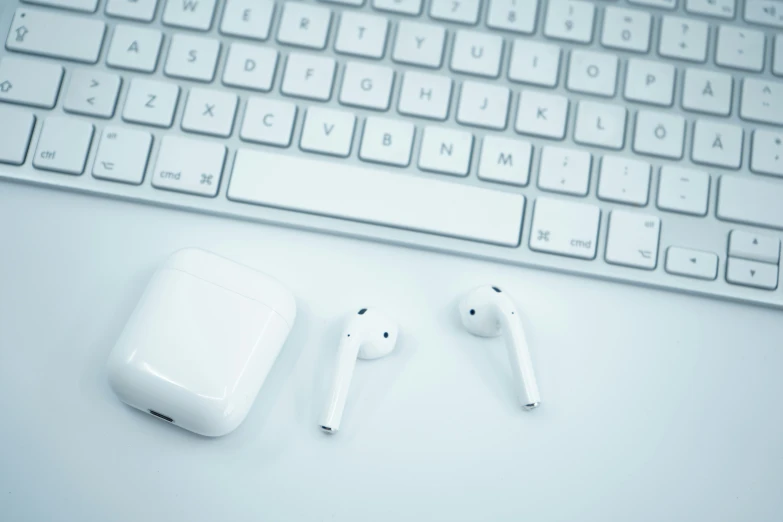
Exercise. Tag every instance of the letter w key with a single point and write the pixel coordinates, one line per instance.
(191, 14)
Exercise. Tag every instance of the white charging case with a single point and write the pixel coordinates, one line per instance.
(201, 342)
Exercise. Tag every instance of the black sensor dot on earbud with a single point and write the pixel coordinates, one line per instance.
(385, 335)
(472, 312)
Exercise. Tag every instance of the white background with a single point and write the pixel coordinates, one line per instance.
(656, 406)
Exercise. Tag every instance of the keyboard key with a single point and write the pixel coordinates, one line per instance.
(461, 11)
(717, 144)
(250, 66)
(446, 151)
(192, 58)
(566, 171)
(419, 44)
(248, 18)
(76, 38)
(361, 35)
(518, 16)
(483, 105)
(626, 29)
(740, 48)
(477, 53)
(767, 152)
(762, 101)
(756, 247)
(190, 14)
(15, 133)
(592, 73)
(649, 81)
(92, 93)
(716, 8)
(600, 124)
(409, 7)
(139, 10)
(624, 180)
(29, 82)
(267, 121)
(122, 155)
(304, 25)
(752, 273)
(777, 56)
(750, 201)
(764, 12)
(210, 112)
(63, 145)
(189, 166)
(659, 134)
(541, 114)
(707, 91)
(151, 102)
(534, 63)
(633, 239)
(663, 4)
(505, 160)
(87, 6)
(565, 228)
(354, 3)
(367, 85)
(308, 76)
(425, 95)
(692, 263)
(328, 131)
(570, 20)
(685, 191)
(375, 196)
(387, 141)
(684, 39)
(134, 48)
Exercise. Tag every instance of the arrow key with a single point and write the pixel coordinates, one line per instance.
(692, 263)
(755, 247)
(751, 273)
(92, 93)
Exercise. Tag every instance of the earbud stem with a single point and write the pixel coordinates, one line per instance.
(347, 352)
(519, 357)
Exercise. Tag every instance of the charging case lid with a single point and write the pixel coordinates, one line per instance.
(237, 278)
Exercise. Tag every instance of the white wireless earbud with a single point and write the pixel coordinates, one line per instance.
(488, 312)
(368, 335)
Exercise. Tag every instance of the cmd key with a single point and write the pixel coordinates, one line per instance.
(56, 35)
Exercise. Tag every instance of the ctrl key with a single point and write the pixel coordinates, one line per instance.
(190, 166)
(63, 145)
(16, 128)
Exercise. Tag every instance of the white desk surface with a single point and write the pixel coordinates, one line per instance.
(656, 406)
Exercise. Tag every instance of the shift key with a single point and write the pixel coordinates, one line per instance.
(565, 228)
(56, 35)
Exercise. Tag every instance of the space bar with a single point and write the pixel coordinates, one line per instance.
(376, 196)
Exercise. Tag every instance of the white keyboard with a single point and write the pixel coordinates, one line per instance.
(638, 140)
